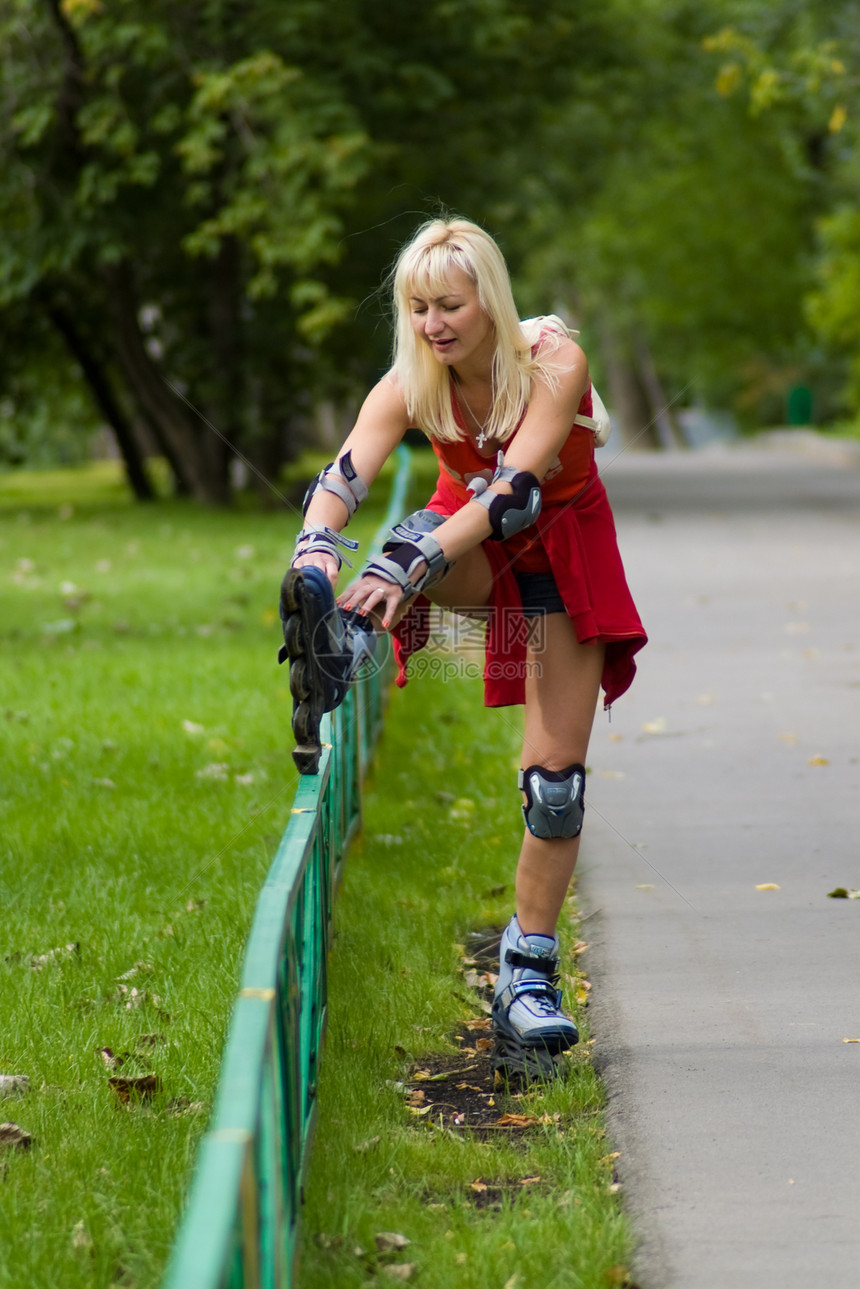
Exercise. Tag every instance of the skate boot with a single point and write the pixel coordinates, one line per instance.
(528, 1025)
(326, 647)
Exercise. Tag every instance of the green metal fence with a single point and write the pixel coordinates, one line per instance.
(239, 1230)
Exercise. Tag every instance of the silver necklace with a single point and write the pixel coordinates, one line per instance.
(482, 436)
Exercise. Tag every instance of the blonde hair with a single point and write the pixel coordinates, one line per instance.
(423, 268)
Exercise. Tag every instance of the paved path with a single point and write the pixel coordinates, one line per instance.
(721, 1010)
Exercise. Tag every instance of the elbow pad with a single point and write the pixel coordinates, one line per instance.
(509, 514)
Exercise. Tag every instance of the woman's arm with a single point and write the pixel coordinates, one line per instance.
(379, 428)
(535, 447)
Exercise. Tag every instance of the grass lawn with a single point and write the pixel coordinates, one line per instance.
(144, 784)
(145, 781)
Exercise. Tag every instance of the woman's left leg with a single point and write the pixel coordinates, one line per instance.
(562, 685)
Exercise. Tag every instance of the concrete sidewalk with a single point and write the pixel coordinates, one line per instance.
(721, 1010)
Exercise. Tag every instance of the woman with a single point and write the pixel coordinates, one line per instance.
(519, 531)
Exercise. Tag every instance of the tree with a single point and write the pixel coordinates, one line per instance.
(691, 248)
(155, 193)
(177, 182)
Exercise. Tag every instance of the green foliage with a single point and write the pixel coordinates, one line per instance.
(833, 309)
(656, 169)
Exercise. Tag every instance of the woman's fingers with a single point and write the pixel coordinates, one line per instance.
(372, 595)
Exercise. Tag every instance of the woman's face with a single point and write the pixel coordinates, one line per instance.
(454, 325)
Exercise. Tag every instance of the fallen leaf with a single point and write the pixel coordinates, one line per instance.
(112, 1061)
(364, 1146)
(139, 969)
(149, 1040)
(478, 1186)
(851, 1040)
(62, 954)
(480, 979)
(183, 1105)
(843, 893)
(81, 1238)
(14, 1085)
(768, 886)
(818, 759)
(14, 1137)
(517, 1120)
(657, 726)
(140, 1088)
(483, 1044)
(528, 1181)
(388, 1240)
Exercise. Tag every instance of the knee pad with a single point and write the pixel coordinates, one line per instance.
(555, 800)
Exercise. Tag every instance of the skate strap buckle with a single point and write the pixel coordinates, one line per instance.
(531, 962)
(536, 988)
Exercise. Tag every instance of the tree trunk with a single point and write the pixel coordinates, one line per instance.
(106, 400)
(185, 436)
(660, 408)
(627, 395)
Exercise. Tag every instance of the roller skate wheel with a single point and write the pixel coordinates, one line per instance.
(294, 637)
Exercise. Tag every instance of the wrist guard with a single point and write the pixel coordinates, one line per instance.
(317, 538)
(409, 544)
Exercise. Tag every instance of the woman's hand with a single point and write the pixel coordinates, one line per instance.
(373, 596)
(318, 559)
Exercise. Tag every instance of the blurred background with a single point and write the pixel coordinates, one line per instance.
(199, 202)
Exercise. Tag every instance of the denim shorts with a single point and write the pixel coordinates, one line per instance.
(539, 593)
